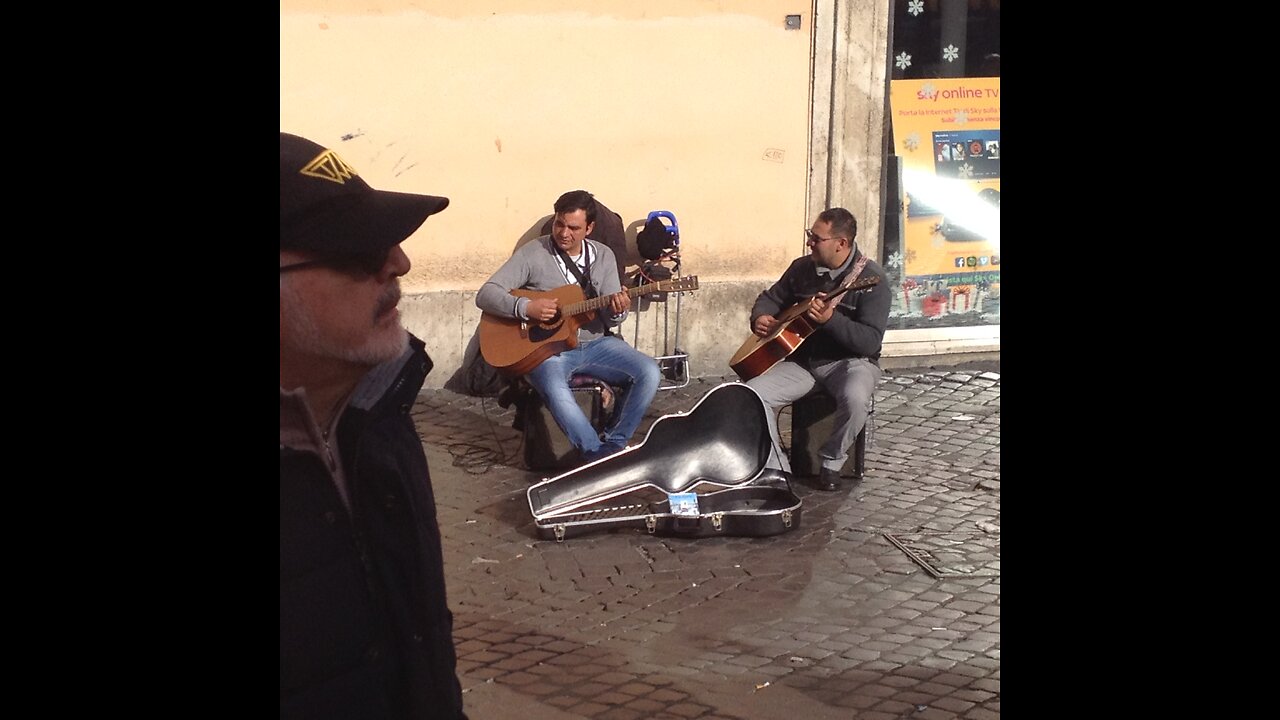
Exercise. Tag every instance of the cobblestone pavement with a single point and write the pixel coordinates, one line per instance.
(883, 603)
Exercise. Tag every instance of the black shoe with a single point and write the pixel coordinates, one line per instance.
(605, 451)
(828, 480)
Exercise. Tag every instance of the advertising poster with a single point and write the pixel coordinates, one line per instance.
(947, 134)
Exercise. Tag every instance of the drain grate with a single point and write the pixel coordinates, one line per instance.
(951, 555)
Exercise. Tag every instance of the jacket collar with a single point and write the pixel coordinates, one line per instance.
(397, 380)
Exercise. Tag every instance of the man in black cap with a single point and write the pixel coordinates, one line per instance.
(365, 629)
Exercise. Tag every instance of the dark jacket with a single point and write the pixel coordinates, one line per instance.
(365, 630)
(856, 328)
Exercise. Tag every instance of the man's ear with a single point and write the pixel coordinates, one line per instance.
(591, 226)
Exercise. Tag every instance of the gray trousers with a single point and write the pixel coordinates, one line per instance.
(851, 382)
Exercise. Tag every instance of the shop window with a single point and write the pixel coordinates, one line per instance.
(942, 229)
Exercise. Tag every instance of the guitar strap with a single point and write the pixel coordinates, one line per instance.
(588, 289)
(853, 274)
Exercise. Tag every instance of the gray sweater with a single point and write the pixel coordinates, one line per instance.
(535, 266)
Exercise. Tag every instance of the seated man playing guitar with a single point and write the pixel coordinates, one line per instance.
(522, 302)
(845, 324)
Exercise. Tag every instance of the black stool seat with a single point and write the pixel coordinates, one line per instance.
(546, 447)
(812, 420)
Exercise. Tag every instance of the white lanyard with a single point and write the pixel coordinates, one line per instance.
(580, 262)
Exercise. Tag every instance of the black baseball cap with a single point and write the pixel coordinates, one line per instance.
(326, 207)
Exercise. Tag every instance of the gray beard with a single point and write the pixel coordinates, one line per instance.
(301, 331)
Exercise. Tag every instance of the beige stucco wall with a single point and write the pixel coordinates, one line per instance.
(699, 107)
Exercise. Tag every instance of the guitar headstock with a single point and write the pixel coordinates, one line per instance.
(689, 282)
(865, 282)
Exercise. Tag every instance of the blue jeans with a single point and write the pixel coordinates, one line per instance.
(612, 360)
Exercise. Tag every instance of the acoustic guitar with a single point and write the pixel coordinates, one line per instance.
(515, 346)
(758, 354)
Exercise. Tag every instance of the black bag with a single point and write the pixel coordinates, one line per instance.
(483, 379)
(476, 377)
(655, 239)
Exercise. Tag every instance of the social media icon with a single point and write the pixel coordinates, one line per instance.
(959, 262)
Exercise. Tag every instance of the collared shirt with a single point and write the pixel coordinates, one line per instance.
(836, 272)
(581, 261)
(300, 431)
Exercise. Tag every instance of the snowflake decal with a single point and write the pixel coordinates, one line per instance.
(894, 261)
(915, 7)
(904, 61)
(928, 90)
(966, 170)
(962, 117)
(912, 142)
(911, 256)
(950, 53)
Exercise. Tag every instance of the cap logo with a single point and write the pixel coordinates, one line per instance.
(328, 166)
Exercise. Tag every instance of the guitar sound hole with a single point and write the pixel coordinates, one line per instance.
(546, 330)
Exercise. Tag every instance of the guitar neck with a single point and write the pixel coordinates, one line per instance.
(859, 285)
(839, 292)
(598, 302)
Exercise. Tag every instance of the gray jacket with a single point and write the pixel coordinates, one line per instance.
(534, 266)
(856, 328)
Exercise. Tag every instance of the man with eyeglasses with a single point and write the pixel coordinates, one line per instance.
(842, 353)
(365, 629)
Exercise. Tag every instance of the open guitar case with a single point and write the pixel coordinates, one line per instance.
(714, 470)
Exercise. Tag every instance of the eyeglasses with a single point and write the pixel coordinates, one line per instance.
(370, 263)
(301, 266)
(808, 234)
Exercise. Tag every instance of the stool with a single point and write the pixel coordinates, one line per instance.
(546, 447)
(812, 419)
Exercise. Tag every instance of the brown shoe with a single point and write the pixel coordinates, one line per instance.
(828, 480)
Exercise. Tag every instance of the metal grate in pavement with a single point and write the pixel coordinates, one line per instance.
(951, 555)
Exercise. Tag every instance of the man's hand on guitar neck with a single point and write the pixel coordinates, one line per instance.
(619, 302)
(821, 309)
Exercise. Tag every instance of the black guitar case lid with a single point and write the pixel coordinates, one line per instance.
(714, 470)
